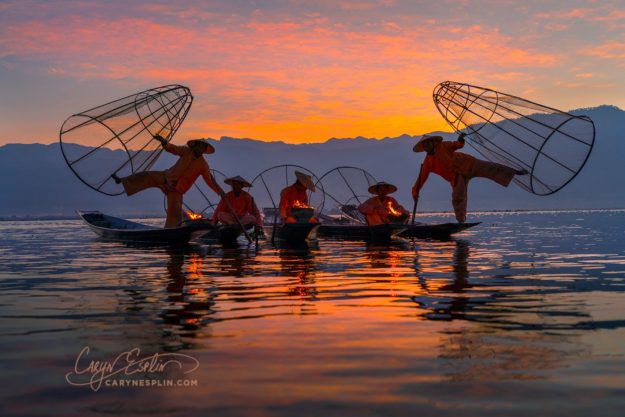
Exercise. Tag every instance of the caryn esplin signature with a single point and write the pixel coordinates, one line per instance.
(126, 363)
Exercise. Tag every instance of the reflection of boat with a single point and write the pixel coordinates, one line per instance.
(437, 231)
(114, 228)
(290, 233)
(293, 233)
(354, 231)
(226, 234)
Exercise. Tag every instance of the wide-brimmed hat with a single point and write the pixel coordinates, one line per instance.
(238, 178)
(375, 188)
(419, 146)
(209, 147)
(306, 180)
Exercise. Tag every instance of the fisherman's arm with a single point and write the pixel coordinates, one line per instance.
(284, 197)
(397, 206)
(210, 181)
(220, 208)
(459, 143)
(370, 206)
(255, 212)
(173, 149)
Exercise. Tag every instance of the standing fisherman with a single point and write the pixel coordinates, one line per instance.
(177, 180)
(457, 168)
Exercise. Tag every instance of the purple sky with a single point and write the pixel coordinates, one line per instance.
(301, 71)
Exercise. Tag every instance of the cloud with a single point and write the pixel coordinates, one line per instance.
(292, 71)
(610, 50)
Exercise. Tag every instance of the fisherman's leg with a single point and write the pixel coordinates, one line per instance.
(228, 218)
(143, 180)
(248, 220)
(501, 174)
(459, 197)
(225, 218)
(174, 210)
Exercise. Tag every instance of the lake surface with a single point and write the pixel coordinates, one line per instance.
(523, 315)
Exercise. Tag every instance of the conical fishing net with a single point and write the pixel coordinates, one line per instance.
(117, 137)
(267, 186)
(345, 188)
(550, 144)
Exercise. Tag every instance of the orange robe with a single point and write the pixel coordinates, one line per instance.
(458, 168)
(288, 197)
(376, 209)
(243, 206)
(187, 169)
(446, 162)
(174, 182)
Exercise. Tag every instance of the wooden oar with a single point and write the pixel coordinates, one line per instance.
(275, 214)
(256, 227)
(416, 198)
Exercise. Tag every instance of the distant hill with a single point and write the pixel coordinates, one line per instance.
(35, 181)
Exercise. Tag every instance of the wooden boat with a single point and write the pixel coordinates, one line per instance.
(436, 231)
(355, 231)
(385, 232)
(293, 233)
(115, 228)
(227, 235)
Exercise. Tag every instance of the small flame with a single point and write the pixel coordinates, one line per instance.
(391, 210)
(193, 216)
(299, 204)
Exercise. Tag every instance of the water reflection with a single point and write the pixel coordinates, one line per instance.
(299, 269)
(190, 295)
(341, 323)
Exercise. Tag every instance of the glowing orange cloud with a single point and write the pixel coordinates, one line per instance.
(300, 77)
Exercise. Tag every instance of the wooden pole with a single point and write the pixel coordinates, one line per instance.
(416, 198)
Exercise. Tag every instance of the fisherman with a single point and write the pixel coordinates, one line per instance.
(176, 180)
(296, 196)
(241, 202)
(457, 168)
(383, 209)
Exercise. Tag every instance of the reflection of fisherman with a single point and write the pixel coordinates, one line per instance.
(457, 168)
(382, 208)
(177, 180)
(241, 202)
(296, 195)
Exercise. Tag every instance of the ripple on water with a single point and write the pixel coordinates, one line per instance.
(523, 298)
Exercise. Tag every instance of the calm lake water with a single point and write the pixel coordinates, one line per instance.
(523, 315)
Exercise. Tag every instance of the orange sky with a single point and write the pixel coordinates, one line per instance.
(298, 71)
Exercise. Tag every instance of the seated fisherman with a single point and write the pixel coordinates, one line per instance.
(382, 208)
(176, 180)
(296, 196)
(241, 202)
(458, 168)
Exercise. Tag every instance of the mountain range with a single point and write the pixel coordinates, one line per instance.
(35, 181)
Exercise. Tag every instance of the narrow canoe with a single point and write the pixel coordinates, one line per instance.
(115, 228)
(350, 231)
